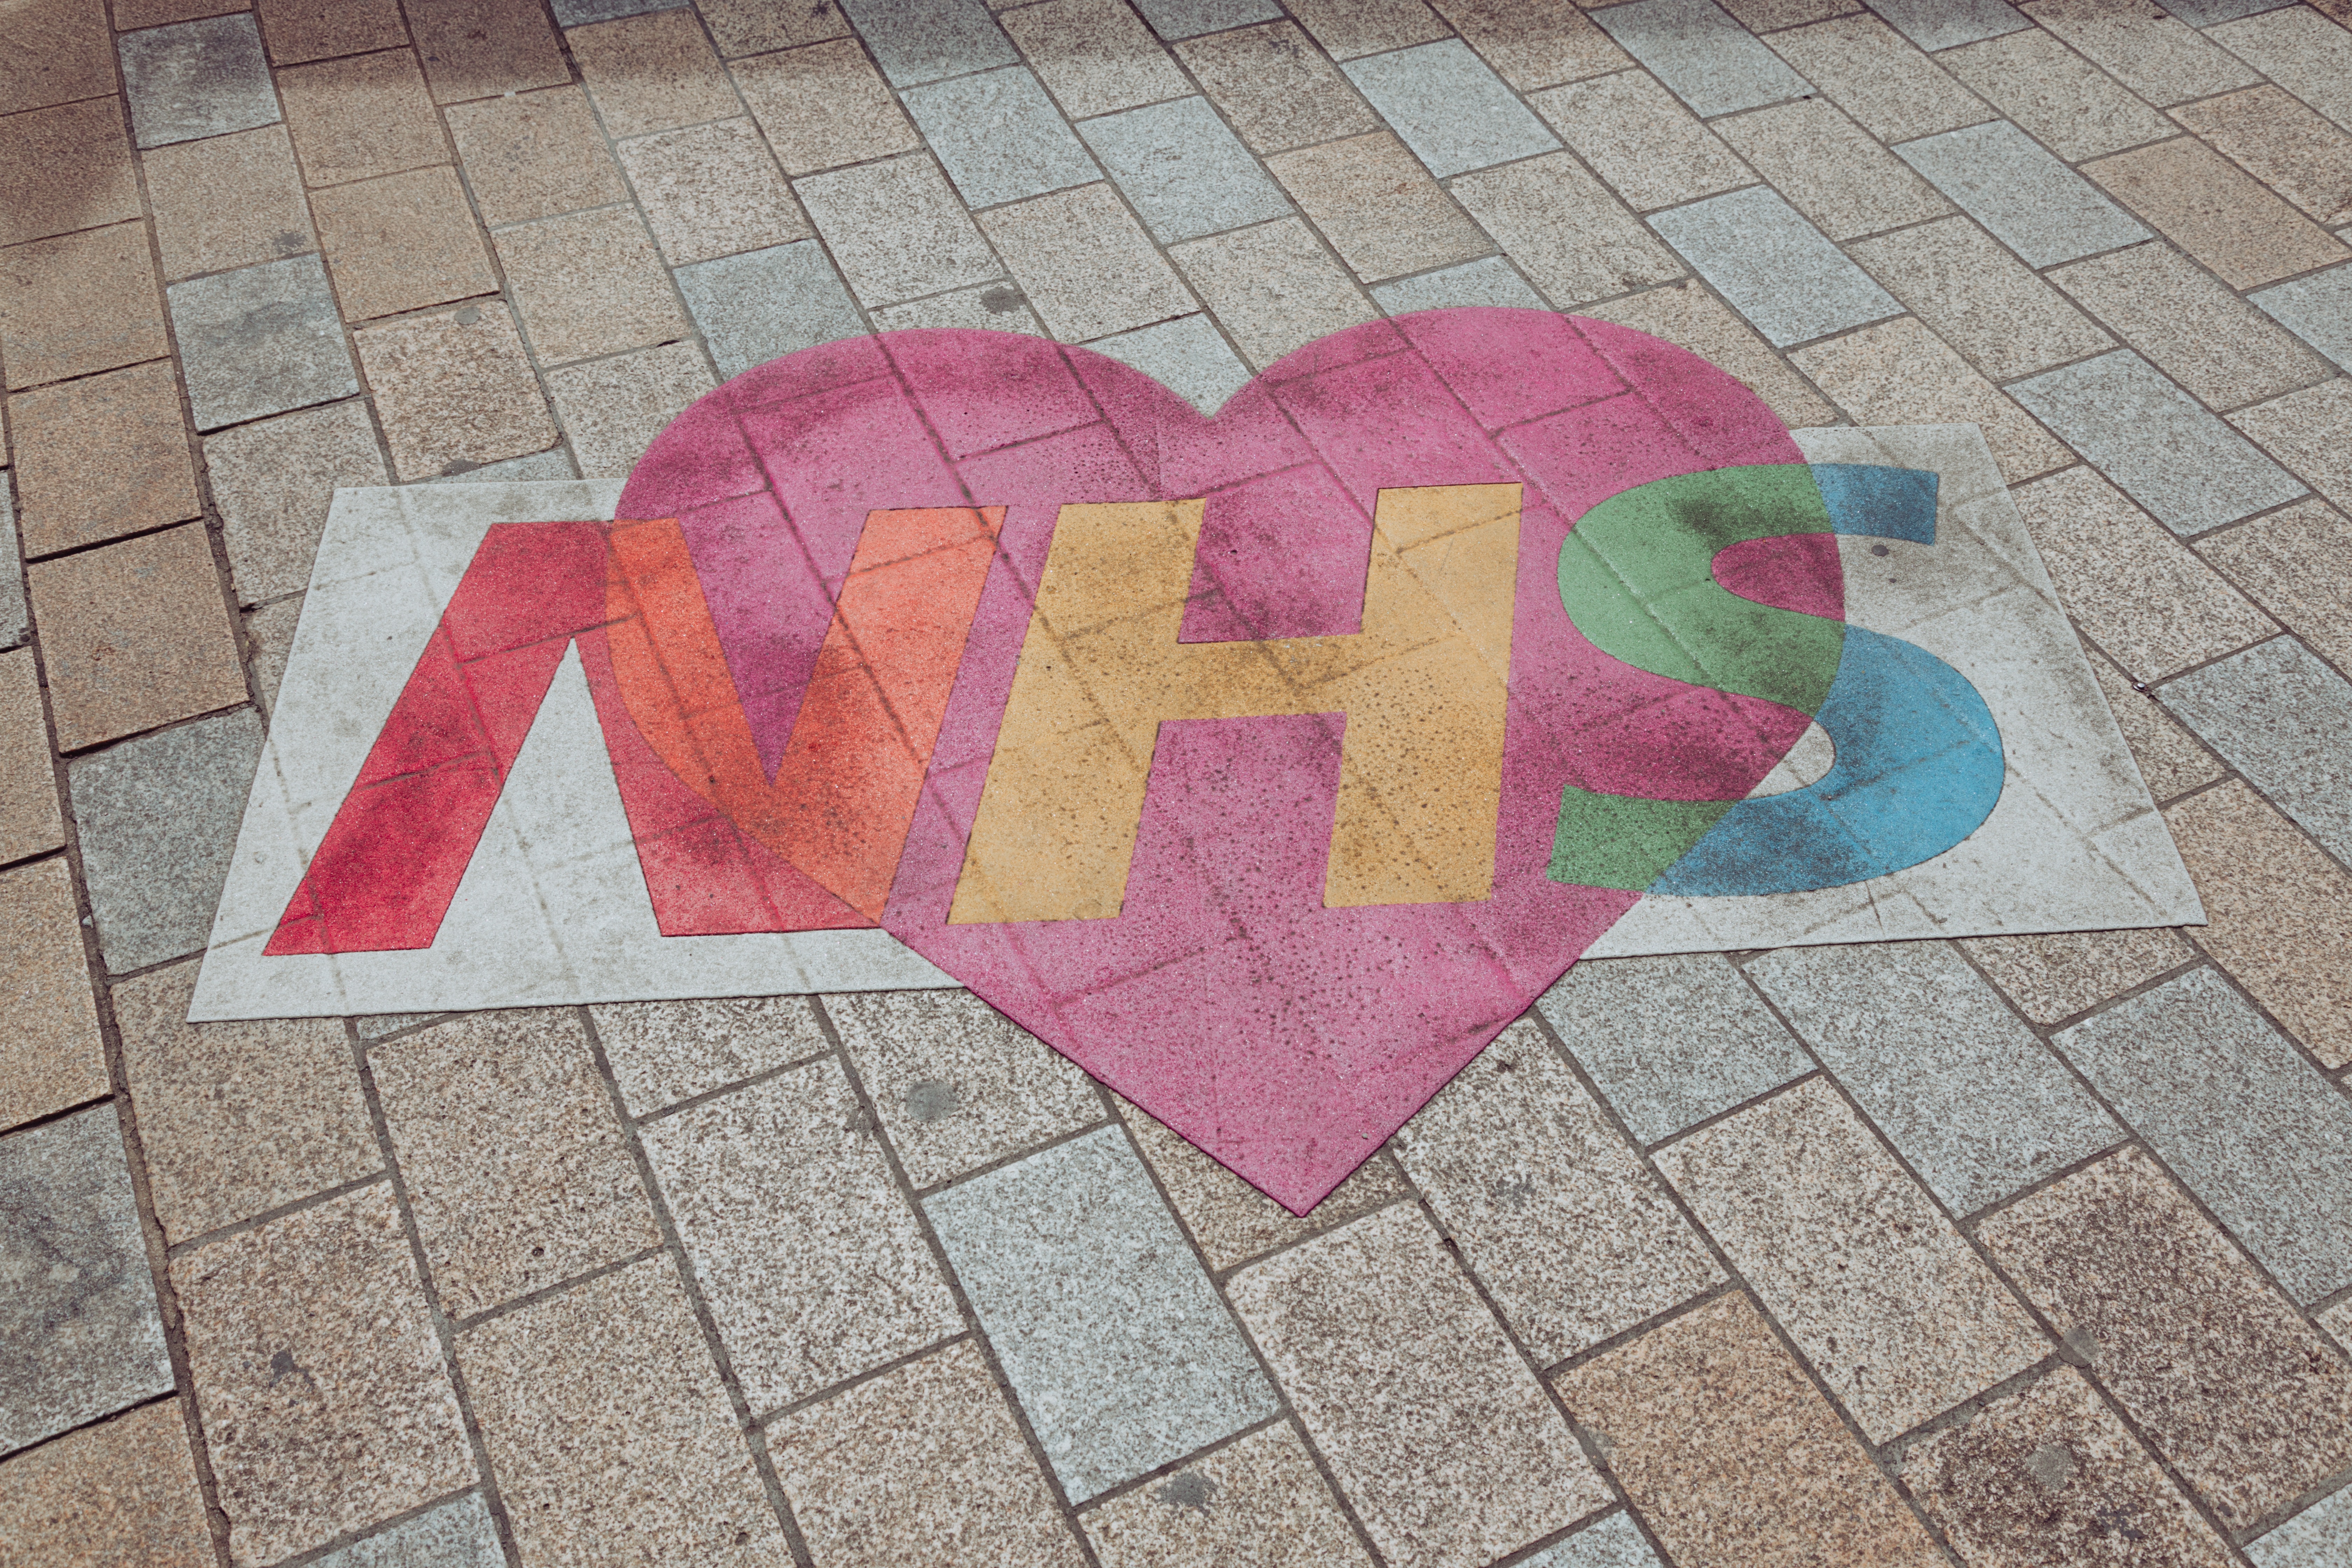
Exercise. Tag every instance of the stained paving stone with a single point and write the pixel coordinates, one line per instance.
(613, 409)
(61, 53)
(2171, 761)
(104, 456)
(1976, 1104)
(1431, 1423)
(514, 1165)
(51, 1057)
(197, 78)
(2309, 431)
(588, 284)
(1575, 1242)
(2055, 977)
(1040, 1247)
(897, 231)
(1274, 87)
(484, 49)
(2283, 144)
(1094, 56)
(2301, 50)
(134, 14)
(454, 390)
(227, 200)
(1379, 210)
(2317, 309)
(2190, 327)
(133, 635)
(30, 822)
(1710, 61)
(1636, 136)
(2228, 1381)
(273, 481)
(2182, 465)
(1830, 168)
(762, 304)
(82, 1336)
(1488, 281)
(325, 1400)
(298, 30)
(80, 303)
(64, 168)
(2278, 1169)
(1186, 173)
(1900, 372)
(814, 1267)
(919, 1465)
(2073, 108)
(260, 341)
(956, 1083)
(1188, 355)
(1777, 269)
(535, 467)
(2032, 203)
(1259, 1501)
(2319, 1535)
(1532, 45)
(652, 72)
(121, 1494)
(711, 191)
(534, 155)
(1873, 73)
(2050, 1476)
(2284, 720)
(237, 1119)
(1273, 286)
(1349, 28)
(823, 107)
(986, 307)
(1730, 1452)
(916, 41)
(1001, 139)
(1975, 296)
(2216, 213)
(2159, 57)
(610, 1433)
(2286, 560)
(402, 242)
(1686, 314)
(358, 118)
(1450, 107)
(1086, 264)
(458, 1533)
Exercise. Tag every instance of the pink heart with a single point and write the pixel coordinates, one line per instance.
(1285, 1040)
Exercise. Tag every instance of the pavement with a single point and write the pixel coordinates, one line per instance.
(1995, 1248)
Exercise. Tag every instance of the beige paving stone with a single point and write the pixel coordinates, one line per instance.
(2223, 1374)
(2304, 52)
(1575, 1242)
(1763, 15)
(325, 1402)
(988, 307)
(454, 388)
(2275, 903)
(80, 303)
(2134, 588)
(401, 243)
(1533, 45)
(1094, 56)
(1899, 373)
(2282, 144)
(1978, 297)
(610, 1433)
(2291, 562)
(652, 72)
(613, 409)
(1379, 208)
(129, 15)
(227, 200)
(663, 1052)
(2159, 57)
(50, 1056)
(590, 283)
(1875, 74)
(2055, 977)
(2069, 105)
(2172, 760)
(533, 156)
(2195, 331)
(921, 1466)
(59, 50)
(120, 1494)
(1275, 88)
(481, 48)
(2049, 1476)
(273, 480)
(2310, 432)
(30, 822)
(104, 456)
(2337, 1320)
(1732, 1457)
(368, 115)
(1830, 168)
(1638, 137)
(1085, 264)
(2216, 213)
(1346, 28)
(1255, 1503)
(241, 1118)
(64, 168)
(1431, 1424)
(1272, 287)
(1687, 314)
(823, 107)
(754, 26)
(1571, 237)
(134, 636)
(298, 30)
(268, 634)
(897, 229)
(711, 190)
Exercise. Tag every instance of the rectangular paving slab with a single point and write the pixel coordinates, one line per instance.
(1713, 63)
(2037, 206)
(1777, 269)
(2284, 720)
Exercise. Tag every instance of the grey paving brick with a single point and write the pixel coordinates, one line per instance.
(1449, 107)
(15, 623)
(1962, 1087)
(455, 1534)
(195, 79)
(1173, 19)
(2037, 206)
(1777, 269)
(999, 137)
(159, 817)
(260, 341)
(554, 463)
(575, 13)
(897, 231)
(1188, 355)
(762, 304)
(1488, 280)
(2284, 719)
(1670, 1041)
(1940, 23)
(2239, 1115)
(1614, 1542)
(1713, 63)
(1187, 174)
(79, 1333)
(916, 41)
(2318, 1537)
(2182, 463)
(1107, 1330)
(2317, 309)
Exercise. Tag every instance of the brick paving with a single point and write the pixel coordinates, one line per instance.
(2015, 1250)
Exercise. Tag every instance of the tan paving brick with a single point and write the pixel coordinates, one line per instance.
(50, 1053)
(454, 388)
(1763, 15)
(2275, 903)
(80, 303)
(401, 243)
(1638, 137)
(2304, 52)
(1095, 56)
(823, 107)
(1830, 168)
(227, 200)
(2195, 331)
(480, 48)
(369, 115)
(1276, 87)
(298, 30)
(2282, 144)
(100, 457)
(1685, 314)
(64, 168)
(1346, 28)
(1379, 208)
(134, 14)
(1532, 45)
(652, 72)
(58, 50)
(663, 1052)
(1899, 373)
(756, 26)
(1875, 74)
(2220, 1371)
(2055, 977)
(897, 229)
(1085, 264)
(712, 190)
(1257, 1501)
(613, 409)
(134, 636)
(1572, 239)
(2291, 562)
(120, 1494)
(2217, 213)
(1731, 1455)
(1978, 298)
(2172, 760)
(2074, 109)
(590, 283)
(1272, 287)
(2134, 588)
(534, 155)
(2310, 432)
(326, 1405)
(2159, 57)
(30, 822)
(273, 481)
